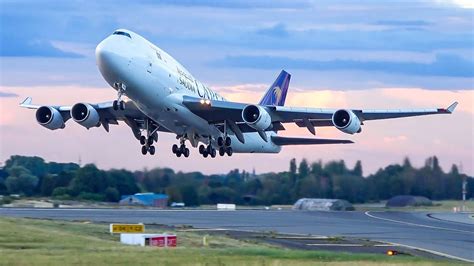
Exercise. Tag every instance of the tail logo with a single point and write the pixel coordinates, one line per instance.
(277, 92)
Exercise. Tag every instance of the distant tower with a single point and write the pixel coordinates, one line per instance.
(79, 161)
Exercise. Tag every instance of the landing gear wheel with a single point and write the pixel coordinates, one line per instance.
(144, 150)
(228, 141)
(186, 152)
(115, 105)
(229, 151)
(122, 105)
(150, 140)
(205, 154)
(221, 151)
(175, 149)
(220, 141)
(151, 149)
(142, 140)
(178, 154)
(202, 149)
(213, 153)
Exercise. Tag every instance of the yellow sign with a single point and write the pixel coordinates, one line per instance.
(127, 228)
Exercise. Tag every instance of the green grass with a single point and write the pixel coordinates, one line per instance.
(41, 242)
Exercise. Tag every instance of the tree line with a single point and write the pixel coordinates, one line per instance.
(32, 176)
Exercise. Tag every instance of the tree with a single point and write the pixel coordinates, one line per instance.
(303, 168)
(21, 181)
(89, 179)
(47, 185)
(293, 170)
(357, 171)
(190, 196)
(112, 194)
(35, 165)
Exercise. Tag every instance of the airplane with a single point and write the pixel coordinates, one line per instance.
(165, 97)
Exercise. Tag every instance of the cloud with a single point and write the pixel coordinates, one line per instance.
(237, 4)
(33, 47)
(7, 94)
(403, 23)
(444, 65)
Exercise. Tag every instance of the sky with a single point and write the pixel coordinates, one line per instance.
(341, 54)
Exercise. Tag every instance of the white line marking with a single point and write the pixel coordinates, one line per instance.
(336, 245)
(418, 248)
(419, 225)
(430, 251)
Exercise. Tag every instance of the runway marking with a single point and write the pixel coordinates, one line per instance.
(419, 225)
(302, 237)
(336, 245)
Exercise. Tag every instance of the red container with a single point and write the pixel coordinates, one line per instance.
(171, 241)
(158, 241)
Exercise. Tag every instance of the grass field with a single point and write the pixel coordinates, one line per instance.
(41, 242)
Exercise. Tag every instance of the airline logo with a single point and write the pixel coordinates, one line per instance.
(277, 94)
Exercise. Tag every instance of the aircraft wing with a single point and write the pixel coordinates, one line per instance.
(216, 112)
(278, 140)
(132, 116)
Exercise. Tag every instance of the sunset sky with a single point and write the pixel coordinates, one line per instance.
(369, 54)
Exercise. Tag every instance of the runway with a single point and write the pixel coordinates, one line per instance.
(414, 229)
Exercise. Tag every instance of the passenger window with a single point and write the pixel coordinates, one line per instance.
(158, 55)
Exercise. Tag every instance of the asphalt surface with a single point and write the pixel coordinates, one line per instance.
(414, 229)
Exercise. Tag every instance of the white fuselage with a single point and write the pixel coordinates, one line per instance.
(156, 83)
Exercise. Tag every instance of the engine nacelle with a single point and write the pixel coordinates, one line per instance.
(346, 121)
(49, 117)
(256, 117)
(86, 115)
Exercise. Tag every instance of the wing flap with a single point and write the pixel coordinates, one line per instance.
(281, 141)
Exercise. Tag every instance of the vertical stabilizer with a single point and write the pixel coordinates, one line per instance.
(276, 94)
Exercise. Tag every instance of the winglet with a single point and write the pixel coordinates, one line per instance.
(451, 108)
(27, 104)
(26, 101)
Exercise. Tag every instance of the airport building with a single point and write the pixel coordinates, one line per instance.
(145, 199)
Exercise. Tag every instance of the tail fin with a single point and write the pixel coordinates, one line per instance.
(276, 94)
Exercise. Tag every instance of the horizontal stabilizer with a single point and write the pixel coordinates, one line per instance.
(306, 141)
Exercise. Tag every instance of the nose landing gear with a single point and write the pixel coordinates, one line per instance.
(119, 104)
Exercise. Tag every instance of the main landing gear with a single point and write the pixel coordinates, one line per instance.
(207, 151)
(224, 146)
(119, 104)
(222, 143)
(181, 149)
(151, 136)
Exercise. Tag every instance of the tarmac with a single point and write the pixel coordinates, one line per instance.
(442, 234)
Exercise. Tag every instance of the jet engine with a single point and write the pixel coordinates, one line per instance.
(256, 117)
(86, 115)
(346, 121)
(49, 117)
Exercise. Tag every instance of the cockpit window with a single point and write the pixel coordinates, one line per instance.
(122, 33)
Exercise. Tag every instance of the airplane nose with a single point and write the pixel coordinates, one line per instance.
(106, 56)
(111, 60)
